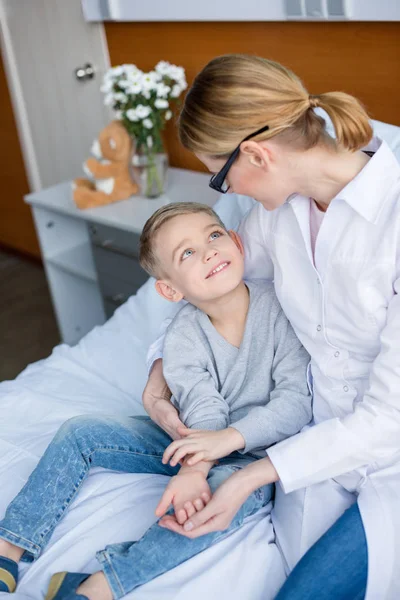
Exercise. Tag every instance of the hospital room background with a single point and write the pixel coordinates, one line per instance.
(69, 277)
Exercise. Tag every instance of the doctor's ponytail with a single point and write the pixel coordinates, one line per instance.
(349, 118)
(236, 94)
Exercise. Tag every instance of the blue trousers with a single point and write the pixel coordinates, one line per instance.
(132, 445)
(335, 567)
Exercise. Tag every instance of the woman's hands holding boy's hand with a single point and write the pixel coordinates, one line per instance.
(203, 445)
(226, 501)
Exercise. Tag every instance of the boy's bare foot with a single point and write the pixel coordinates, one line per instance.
(10, 551)
(95, 587)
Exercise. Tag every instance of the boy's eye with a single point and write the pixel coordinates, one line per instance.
(215, 235)
(186, 254)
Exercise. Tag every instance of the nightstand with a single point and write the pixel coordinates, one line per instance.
(91, 256)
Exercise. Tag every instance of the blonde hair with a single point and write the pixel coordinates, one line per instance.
(148, 258)
(237, 94)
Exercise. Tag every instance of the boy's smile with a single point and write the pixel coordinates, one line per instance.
(221, 267)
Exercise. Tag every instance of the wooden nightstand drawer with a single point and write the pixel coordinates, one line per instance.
(114, 240)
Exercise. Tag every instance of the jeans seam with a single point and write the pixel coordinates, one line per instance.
(109, 564)
(23, 539)
(123, 450)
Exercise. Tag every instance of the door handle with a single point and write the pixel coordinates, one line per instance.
(85, 72)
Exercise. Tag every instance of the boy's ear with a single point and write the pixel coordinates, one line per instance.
(237, 239)
(166, 291)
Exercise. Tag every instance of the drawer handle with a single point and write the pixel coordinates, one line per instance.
(108, 245)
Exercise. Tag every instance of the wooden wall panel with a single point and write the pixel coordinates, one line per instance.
(360, 58)
(17, 230)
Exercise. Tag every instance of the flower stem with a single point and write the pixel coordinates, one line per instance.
(152, 175)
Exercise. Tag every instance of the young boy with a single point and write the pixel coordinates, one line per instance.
(235, 369)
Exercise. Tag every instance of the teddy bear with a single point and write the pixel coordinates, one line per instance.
(109, 173)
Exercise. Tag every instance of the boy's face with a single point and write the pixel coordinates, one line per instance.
(200, 260)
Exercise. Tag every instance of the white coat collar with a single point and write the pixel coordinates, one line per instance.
(368, 191)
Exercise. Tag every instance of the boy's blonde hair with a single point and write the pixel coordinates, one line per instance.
(148, 258)
(237, 94)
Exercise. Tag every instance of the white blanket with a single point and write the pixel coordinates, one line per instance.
(105, 374)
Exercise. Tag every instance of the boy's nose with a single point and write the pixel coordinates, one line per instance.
(211, 253)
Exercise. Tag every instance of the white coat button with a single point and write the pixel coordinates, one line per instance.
(319, 327)
(345, 388)
(337, 354)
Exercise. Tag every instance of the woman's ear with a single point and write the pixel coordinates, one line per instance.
(166, 291)
(258, 154)
(238, 241)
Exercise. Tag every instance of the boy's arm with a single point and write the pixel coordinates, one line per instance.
(290, 404)
(194, 391)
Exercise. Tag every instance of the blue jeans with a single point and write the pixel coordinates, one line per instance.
(132, 445)
(335, 567)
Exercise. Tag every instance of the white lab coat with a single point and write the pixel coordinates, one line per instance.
(345, 310)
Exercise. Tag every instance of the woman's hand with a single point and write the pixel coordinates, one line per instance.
(156, 401)
(226, 501)
(203, 445)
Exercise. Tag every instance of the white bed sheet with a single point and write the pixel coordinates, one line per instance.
(105, 374)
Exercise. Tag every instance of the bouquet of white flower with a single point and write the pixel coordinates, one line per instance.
(142, 102)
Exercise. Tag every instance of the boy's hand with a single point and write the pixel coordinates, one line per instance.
(188, 492)
(203, 445)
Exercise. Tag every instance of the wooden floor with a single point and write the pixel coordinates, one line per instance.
(28, 329)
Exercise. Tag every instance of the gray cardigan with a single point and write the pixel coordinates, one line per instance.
(260, 388)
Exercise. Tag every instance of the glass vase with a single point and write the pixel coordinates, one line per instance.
(150, 171)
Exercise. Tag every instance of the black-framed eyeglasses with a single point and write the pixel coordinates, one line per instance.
(217, 181)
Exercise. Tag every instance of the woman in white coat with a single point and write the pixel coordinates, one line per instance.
(326, 229)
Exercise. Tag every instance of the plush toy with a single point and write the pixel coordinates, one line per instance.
(110, 178)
